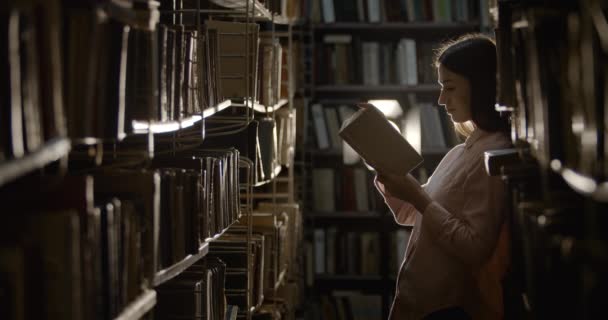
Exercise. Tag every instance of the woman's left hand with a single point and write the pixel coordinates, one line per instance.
(407, 189)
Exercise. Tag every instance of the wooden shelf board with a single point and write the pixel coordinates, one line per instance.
(171, 272)
(263, 109)
(219, 107)
(174, 270)
(49, 152)
(138, 308)
(157, 127)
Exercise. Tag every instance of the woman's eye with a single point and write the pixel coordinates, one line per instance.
(447, 89)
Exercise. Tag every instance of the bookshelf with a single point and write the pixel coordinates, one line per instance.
(135, 163)
(353, 52)
(558, 184)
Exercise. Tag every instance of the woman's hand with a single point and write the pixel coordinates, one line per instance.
(406, 188)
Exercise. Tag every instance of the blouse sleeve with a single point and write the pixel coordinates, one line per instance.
(472, 235)
(404, 212)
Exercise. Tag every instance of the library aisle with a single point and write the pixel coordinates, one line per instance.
(182, 159)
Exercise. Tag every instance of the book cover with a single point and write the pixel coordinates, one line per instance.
(366, 128)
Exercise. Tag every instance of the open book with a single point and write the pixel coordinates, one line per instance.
(380, 144)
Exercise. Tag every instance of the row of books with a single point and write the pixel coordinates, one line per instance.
(430, 127)
(137, 223)
(197, 293)
(348, 189)
(31, 106)
(268, 140)
(270, 65)
(376, 11)
(223, 282)
(338, 250)
(74, 252)
(109, 68)
(244, 286)
(118, 71)
(348, 59)
(257, 142)
(199, 198)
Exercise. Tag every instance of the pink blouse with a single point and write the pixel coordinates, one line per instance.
(454, 256)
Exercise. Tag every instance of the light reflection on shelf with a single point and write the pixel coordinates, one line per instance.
(143, 127)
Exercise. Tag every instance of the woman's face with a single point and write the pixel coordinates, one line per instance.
(455, 94)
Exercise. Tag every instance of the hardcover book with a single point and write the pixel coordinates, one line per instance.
(380, 144)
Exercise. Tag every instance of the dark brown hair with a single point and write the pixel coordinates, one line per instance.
(474, 57)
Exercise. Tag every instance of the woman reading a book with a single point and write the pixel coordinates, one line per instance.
(457, 253)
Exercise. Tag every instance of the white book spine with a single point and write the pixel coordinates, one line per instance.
(320, 127)
(373, 10)
(329, 15)
(412, 68)
(331, 116)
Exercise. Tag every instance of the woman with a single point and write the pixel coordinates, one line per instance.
(454, 262)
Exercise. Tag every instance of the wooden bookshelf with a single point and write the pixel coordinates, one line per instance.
(114, 127)
(138, 308)
(49, 152)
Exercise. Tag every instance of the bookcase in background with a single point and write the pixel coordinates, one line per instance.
(552, 85)
(146, 160)
(358, 51)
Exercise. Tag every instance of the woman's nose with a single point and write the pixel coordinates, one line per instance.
(441, 100)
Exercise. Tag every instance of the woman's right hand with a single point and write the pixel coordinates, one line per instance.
(406, 188)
